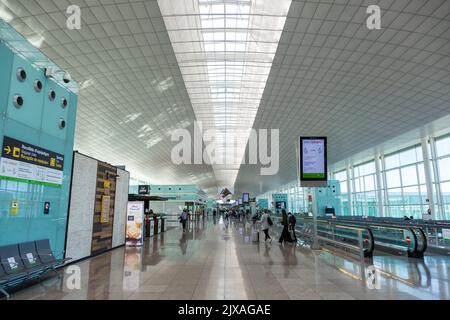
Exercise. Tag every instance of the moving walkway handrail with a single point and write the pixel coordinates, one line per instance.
(431, 228)
(420, 243)
(361, 242)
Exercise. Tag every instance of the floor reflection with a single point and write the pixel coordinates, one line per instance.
(218, 259)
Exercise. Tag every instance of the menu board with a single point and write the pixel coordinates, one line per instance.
(313, 159)
(135, 223)
(24, 162)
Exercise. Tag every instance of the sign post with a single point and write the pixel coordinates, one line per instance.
(313, 171)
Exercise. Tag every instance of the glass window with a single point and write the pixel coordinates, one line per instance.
(409, 176)
(393, 178)
(369, 183)
(444, 169)
(443, 147)
(392, 161)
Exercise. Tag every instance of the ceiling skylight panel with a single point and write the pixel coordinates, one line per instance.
(232, 46)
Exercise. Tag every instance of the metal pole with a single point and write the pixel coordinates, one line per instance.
(315, 245)
(361, 256)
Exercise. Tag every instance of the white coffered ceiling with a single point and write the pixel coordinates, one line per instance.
(142, 76)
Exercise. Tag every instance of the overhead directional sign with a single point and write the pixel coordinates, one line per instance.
(24, 162)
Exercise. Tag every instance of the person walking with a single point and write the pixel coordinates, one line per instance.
(183, 219)
(292, 221)
(266, 223)
(284, 222)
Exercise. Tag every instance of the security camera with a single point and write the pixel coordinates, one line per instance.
(67, 77)
(50, 73)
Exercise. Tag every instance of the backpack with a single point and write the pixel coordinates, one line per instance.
(269, 221)
(292, 220)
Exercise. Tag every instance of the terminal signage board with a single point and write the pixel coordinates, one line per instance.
(313, 161)
(143, 189)
(24, 162)
(245, 198)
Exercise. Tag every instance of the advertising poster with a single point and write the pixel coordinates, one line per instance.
(135, 223)
(24, 162)
(105, 209)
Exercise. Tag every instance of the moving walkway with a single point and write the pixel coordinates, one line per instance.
(392, 238)
(436, 232)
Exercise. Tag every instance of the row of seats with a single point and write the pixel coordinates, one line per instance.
(25, 261)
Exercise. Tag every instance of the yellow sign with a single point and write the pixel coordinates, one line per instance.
(16, 152)
(7, 149)
(14, 207)
(52, 162)
(107, 184)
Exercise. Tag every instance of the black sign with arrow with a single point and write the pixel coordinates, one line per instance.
(25, 152)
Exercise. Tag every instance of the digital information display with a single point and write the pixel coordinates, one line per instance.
(245, 197)
(313, 159)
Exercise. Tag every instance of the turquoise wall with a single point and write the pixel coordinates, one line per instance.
(175, 192)
(37, 122)
(328, 196)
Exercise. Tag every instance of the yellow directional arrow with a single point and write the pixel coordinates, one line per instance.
(8, 149)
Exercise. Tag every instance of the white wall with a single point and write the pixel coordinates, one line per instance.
(82, 202)
(120, 208)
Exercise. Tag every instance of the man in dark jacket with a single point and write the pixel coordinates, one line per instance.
(284, 222)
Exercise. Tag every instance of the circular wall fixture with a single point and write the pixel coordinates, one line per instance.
(21, 74)
(18, 101)
(51, 95)
(63, 102)
(37, 85)
(62, 123)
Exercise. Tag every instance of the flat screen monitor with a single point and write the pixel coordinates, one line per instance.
(143, 189)
(280, 205)
(245, 197)
(313, 159)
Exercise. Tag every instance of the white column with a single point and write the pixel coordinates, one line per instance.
(352, 172)
(349, 189)
(428, 175)
(379, 185)
(385, 186)
(437, 180)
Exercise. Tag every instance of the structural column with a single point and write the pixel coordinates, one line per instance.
(379, 185)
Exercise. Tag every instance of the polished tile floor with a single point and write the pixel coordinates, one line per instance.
(216, 260)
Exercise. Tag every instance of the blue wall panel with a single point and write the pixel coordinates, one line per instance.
(31, 111)
(37, 122)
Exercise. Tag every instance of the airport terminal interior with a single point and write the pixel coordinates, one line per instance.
(225, 150)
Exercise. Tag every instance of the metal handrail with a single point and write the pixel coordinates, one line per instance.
(416, 251)
(359, 248)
